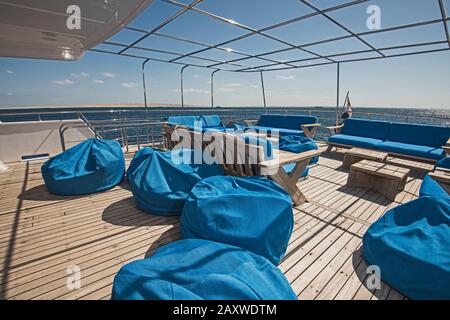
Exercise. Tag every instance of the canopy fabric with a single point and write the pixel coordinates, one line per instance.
(253, 213)
(161, 181)
(410, 244)
(197, 269)
(91, 166)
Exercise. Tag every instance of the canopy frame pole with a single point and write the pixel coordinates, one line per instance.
(212, 87)
(144, 85)
(263, 91)
(338, 80)
(182, 86)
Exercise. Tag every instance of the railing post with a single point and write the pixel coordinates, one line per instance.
(212, 87)
(182, 88)
(263, 91)
(337, 93)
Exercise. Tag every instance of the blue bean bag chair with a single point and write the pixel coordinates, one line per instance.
(161, 181)
(298, 144)
(138, 158)
(443, 163)
(91, 166)
(410, 244)
(253, 213)
(201, 270)
(431, 188)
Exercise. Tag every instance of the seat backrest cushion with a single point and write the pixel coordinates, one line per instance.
(366, 128)
(184, 120)
(425, 135)
(271, 120)
(295, 122)
(212, 121)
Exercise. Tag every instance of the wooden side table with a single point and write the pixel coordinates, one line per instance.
(386, 179)
(355, 155)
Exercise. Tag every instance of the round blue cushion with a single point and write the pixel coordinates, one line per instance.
(298, 144)
(160, 185)
(410, 244)
(91, 166)
(199, 269)
(253, 213)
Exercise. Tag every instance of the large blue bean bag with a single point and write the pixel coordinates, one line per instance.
(298, 144)
(161, 181)
(253, 213)
(443, 163)
(91, 166)
(432, 188)
(201, 270)
(138, 158)
(410, 244)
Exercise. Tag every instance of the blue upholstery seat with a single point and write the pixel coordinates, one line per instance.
(253, 213)
(161, 182)
(355, 141)
(419, 134)
(297, 144)
(378, 130)
(285, 125)
(410, 244)
(207, 122)
(188, 121)
(90, 166)
(197, 269)
(443, 163)
(412, 150)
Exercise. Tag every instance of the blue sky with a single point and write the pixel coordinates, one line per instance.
(418, 81)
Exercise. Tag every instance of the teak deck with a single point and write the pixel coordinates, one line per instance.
(42, 235)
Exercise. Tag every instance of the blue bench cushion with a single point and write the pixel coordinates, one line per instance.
(431, 188)
(444, 163)
(90, 166)
(253, 213)
(366, 128)
(212, 121)
(199, 269)
(280, 131)
(412, 150)
(425, 135)
(188, 121)
(355, 141)
(271, 120)
(295, 122)
(410, 244)
(161, 182)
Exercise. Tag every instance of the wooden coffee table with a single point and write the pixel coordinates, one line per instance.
(384, 178)
(355, 155)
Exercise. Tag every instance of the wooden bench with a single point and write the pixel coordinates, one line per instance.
(386, 179)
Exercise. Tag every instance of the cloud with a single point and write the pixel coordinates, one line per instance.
(109, 74)
(254, 86)
(291, 77)
(130, 85)
(232, 85)
(196, 76)
(225, 89)
(81, 75)
(192, 90)
(9, 71)
(98, 81)
(9, 94)
(64, 82)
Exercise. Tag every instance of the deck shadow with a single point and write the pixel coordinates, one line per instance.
(171, 235)
(125, 213)
(366, 195)
(40, 193)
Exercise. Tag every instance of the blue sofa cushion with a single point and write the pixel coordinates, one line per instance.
(431, 188)
(425, 135)
(266, 144)
(253, 213)
(366, 128)
(162, 181)
(271, 120)
(199, 269)
(355, 141)
(295, 122)
(427, 152)
(444, 163)
(410, 244)
(212, 121)
(188, 121)
(281, 131)
(90, 166)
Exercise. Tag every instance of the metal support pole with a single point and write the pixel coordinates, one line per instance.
(143, 84)
(182, 88)
(212, 88)
(337, 93)
(263, 90)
